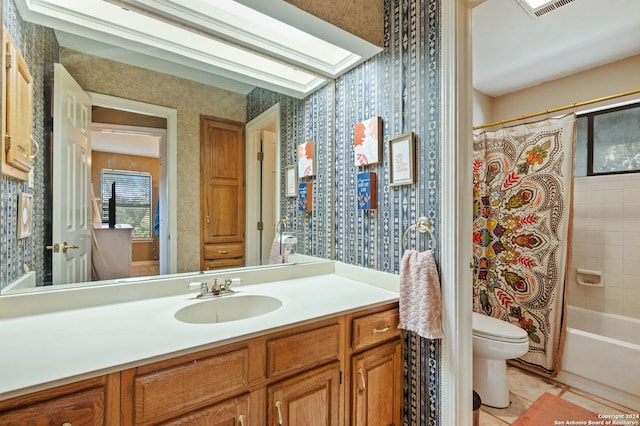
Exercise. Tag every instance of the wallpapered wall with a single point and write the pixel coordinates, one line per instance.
(402, 86)
(39, 49)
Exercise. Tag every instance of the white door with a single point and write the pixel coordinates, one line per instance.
(71, 178)
(269, 170)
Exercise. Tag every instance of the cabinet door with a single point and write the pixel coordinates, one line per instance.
(89, 402)
(310, 399)
(222, 185)
(228, 413)
(19, 114)
(376, 388)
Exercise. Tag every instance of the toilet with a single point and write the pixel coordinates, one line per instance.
(494, 342)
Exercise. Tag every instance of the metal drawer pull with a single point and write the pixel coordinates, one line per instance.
(278, 405)
(364, 385)
(223, 251)
(241, 420)
(382, 330)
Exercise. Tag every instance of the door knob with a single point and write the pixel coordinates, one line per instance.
(64, 247)
(61, 247)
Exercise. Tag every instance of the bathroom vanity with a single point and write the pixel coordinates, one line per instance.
(329, 353)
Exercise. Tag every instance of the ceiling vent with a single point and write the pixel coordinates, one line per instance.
(537, 8)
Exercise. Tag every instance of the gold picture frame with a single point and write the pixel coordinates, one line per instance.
(401, 156)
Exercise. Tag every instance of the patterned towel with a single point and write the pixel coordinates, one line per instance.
(420, 298)
(275, 256)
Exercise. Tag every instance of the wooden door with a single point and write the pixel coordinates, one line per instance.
(310, 399)
(222, 193)
(376, 388)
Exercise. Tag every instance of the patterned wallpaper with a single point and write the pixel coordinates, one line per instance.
(39, 48)
(402, 86)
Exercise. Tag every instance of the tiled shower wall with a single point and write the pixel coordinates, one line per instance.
(606, 237)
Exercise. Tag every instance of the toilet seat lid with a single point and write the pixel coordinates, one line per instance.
(496, 329)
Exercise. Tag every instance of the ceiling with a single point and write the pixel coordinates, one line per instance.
(512, 50)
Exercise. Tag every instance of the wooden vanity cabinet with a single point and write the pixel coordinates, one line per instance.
(344, 370)
(376, 372)
(89, 402)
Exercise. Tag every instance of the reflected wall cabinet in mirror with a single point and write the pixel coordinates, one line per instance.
(17, 121)
(222, 195)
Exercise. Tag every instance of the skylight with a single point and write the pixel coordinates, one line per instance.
(215, 37)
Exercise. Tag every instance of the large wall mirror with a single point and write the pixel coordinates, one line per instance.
(145, 134)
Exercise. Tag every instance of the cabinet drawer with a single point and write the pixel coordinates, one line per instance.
(303, 350)
(222, 263)
(223, 251)
(80, 408)
(375, 328)
(230, 412)
(177, 390)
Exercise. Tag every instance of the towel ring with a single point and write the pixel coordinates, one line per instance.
(424, 225)
(282, 225)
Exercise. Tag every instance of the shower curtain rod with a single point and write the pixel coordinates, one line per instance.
(577, 104)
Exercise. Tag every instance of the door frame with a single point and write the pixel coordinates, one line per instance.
(252, 147)
(168, 172)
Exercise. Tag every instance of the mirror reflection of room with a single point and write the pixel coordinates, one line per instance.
(125, 153)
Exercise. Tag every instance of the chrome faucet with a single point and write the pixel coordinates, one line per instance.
(217, 290)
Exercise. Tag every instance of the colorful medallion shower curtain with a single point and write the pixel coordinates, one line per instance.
(522, 199)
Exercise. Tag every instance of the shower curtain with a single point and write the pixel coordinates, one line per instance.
(522, 199)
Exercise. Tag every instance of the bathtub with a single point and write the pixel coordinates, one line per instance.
(602, 355)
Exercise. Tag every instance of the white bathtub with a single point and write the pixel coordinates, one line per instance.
(602, 355)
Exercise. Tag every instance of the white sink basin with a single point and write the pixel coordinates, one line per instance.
(228, 308)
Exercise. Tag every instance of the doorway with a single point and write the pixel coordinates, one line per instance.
(262, 185)
(126, 148)
(167, 191)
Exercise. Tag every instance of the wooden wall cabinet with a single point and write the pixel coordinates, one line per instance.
(17, 121)
(345, 370)
(222, 193)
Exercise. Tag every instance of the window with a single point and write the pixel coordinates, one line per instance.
(133, 200)
(608, 141)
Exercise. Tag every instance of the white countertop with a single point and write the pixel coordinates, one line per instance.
(55, 347)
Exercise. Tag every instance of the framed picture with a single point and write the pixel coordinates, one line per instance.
(290, 180)
(366, 141)
(25, 214)
(401, 157)
(306, 159)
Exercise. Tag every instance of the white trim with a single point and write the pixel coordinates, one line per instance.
(252, 135)
(168, 169)
(455, 213)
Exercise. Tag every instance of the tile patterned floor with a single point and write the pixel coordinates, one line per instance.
(526, 388)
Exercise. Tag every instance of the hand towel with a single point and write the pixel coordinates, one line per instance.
(420, 297)
(279, 253)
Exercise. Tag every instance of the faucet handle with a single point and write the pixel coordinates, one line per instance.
(229, 281)
(202, 285)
